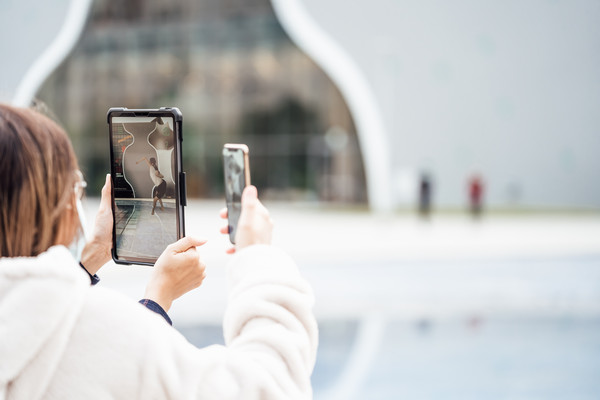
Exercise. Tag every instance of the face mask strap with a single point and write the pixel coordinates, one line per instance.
(80, 240)
(81, 216)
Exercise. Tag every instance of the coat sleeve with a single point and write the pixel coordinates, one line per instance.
(270, 338)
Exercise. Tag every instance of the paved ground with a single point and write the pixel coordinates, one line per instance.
(141, 233)
(357, 261)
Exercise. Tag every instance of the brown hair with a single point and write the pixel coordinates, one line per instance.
(37, 177)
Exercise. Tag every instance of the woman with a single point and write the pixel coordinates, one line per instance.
(60, 339)
(160, 186)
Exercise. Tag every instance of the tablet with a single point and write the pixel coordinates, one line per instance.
(148, 183)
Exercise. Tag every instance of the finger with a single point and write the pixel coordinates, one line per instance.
(224, 230)
(223, 212)
(196, 283)
(230, 250)
(185, 243)
(192, 253)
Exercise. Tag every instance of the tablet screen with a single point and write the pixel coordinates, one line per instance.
(144, 180)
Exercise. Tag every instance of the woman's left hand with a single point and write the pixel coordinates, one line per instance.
(96, 252)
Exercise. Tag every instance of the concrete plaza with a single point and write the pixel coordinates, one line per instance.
(358, 262)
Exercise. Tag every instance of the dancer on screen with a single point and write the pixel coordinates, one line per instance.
(160, 186)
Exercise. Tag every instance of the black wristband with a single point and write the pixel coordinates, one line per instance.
(94, 279)
(154, 306)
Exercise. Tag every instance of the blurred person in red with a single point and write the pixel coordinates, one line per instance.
(476, 188)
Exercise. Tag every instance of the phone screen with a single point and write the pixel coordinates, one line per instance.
(145, 186)
(235, 162)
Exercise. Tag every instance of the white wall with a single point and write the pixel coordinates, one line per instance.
(507, 88)
(27, 28)
(37, 36)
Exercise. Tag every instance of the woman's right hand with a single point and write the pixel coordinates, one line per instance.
(177, 271)
(96, 252)
(255, 226)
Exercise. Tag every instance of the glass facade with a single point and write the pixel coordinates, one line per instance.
(235, 75)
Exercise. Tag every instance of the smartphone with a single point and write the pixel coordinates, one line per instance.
(148, 183)
(236, 165)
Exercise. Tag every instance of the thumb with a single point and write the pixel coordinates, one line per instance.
(105, 196)
(249, 195)
(186, 243)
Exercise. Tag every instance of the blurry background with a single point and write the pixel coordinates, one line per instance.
(357, 114)
(235, 75)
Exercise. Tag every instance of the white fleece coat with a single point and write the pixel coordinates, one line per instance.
(62, 339)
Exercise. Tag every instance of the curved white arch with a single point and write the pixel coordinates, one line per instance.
(54, 54)
(123, 158)
(372, 134)
(368, 338)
